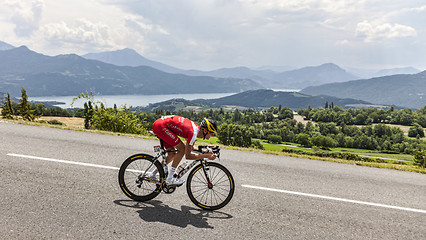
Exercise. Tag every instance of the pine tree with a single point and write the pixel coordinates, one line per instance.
(24, 107)
(7, 111)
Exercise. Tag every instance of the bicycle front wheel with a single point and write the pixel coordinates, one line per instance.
(134, 180)
(215, 196)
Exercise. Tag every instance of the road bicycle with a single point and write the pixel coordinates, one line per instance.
(209, 185)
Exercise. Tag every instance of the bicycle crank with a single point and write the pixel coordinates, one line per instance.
(168, 189)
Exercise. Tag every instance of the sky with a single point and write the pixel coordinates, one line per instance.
(212, 34)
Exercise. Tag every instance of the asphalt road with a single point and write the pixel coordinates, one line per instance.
(276, 197)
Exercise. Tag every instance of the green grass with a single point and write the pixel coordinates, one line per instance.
(365, 152)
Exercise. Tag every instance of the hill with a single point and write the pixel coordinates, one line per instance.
(70, 74)
(129, 57)
(372, 73)
(258, 99)
(5, 46)
(406, 90)
(295, 79)
(312, 76)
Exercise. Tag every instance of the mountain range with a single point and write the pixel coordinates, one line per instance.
(272, 77)
(127, 72)
(406, 90)
(67, 75)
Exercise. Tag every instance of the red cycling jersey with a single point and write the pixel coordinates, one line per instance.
(168, 128)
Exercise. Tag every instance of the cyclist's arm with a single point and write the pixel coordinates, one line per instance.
(190, 156)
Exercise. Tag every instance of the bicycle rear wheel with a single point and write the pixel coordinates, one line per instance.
(216, 196)
(133, 177)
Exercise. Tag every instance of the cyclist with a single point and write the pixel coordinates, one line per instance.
(168, 128)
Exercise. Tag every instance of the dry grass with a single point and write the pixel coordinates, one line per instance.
(71, 122)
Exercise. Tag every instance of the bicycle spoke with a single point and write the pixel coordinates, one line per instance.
(132, 178)
(214, 196)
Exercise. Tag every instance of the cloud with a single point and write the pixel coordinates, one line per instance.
(82, 33)
(26, 16)
(374, 32)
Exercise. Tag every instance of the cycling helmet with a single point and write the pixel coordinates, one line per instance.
(209, 124)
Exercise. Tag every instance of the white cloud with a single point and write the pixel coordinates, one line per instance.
(25, 15)
(210, 34)
(373, 32)
(82, 34)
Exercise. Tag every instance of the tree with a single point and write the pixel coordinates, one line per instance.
(274, 138)
(88, 107)
(234, 135)
(323, 141)
(420, 158)
(415, 130)
(303, 139)
(8, 111)
(88, 115)
(24, 107)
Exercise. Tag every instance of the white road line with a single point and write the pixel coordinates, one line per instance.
(62, 161)
(336, 199)
(246, 186)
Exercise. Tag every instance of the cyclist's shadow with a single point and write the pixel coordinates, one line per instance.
(156, 211)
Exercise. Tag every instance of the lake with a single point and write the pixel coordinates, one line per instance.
(128, 100)
(134, 100)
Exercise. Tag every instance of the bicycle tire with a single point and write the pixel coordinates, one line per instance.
(131, 183)
(210, 198)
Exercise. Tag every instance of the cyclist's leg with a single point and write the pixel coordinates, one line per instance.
(177, 157)
(170, 141)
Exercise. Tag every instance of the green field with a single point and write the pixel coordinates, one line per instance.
(362, 152)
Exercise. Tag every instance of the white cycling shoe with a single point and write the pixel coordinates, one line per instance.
(175, 182)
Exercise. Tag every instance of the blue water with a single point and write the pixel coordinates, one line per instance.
(134, 100)
(128, 100)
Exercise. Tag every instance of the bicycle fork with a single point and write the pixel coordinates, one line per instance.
(206, 174)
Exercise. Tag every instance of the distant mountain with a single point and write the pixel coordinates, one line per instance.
(3, 97)
(5, 46)
(260, 99)
(71, 74)
(406, 90)
(395, 71)
(371, 73)
(294, 79)
(129, 57)
(276, 68)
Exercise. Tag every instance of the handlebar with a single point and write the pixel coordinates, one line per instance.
(213, 149)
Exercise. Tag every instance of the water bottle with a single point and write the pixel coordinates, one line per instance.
(182, 166)
(166, 170)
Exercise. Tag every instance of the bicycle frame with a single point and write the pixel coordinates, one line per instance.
(162, 152)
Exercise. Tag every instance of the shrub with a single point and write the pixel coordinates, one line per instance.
(323, 141)
(257, 144)
(420, 158)
(274, 138)
(55, 122)
(117, 121)
(303, 139)
(416, 130)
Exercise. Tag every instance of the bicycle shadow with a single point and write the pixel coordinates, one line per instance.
(157, 211)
